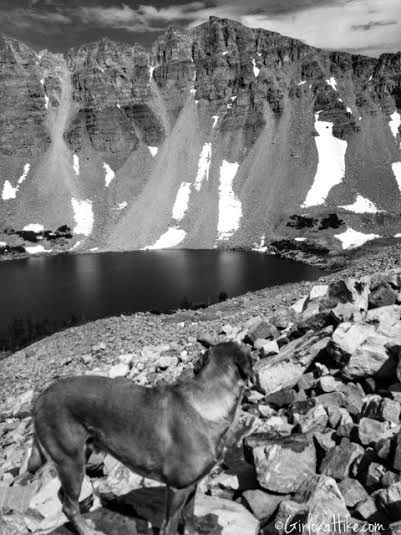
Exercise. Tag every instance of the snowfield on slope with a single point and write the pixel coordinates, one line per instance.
(75, 164)
(181, 201)
(351, 238)
(171, 238)
(34, 227)
(9, 191)
(203, 165)
(37, 249)
(395, 123)
(109, 174)
(331, 166)
(230, 208)
(396, 167)
(83, 216)
(361, 206)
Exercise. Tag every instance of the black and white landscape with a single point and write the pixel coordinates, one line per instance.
(175, 177)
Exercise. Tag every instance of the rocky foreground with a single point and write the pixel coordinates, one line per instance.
(319, 446)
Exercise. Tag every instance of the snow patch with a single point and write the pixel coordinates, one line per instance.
(93, 249)
(256, 70)
(395, 122)
(300, 239)
(351, 238)
(151, 70)
(171, 238)
(332, 82)
(42, 81)
(110, 174)
(259, 53)
(83, 216)
(230, 209)
(153, 150)
(361, 206)
(192, 91)
(36, 249)
(331, 166)
(302, 83)
(75, 164)
(122, 205)
(349, 110)
(21, 179)
(396, 167)
(76, 245)
(181, 201)
(34, 227)
(224, 53)
(9, 191)
(370, 77)
(260, 247)
(118, 106)
(203, 165)
(3, 244)
(46, 101)
(215, 119)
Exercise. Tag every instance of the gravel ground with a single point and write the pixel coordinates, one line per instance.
(66, 352)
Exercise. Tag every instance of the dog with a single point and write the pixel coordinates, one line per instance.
(174, 433)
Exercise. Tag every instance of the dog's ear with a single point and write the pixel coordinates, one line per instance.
(201, 362)
(244, 363)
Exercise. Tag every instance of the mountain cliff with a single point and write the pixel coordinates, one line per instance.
(219, 136)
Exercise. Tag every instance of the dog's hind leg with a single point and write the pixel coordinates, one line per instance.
(71, 473)
(176, 499)
(188, 512)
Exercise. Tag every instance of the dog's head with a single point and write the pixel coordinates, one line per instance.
(231, 354)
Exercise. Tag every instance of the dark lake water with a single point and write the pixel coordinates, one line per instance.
(53, 291)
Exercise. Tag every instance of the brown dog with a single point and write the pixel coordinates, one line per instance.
(172, 433)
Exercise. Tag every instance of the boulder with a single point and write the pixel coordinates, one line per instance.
(286, 368)
(119, 370)
(229, 517)
(45, 510)
(17, 407)
(314, 420)
(387, 320)
(395, 528)
(119, 480)
(352, 492)
(324, 502)
(338, 461)
(263, 330)
(355, 292)
(262, 504)
(382, 296)
(266, 347)
(282, 465)
(371, 431)
(397, 454)
(389, 501)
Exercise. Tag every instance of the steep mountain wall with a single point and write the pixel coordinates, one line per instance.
(219, 136)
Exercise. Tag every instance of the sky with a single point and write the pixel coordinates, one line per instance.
(368, 27)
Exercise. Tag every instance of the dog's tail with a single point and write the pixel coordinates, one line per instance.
(37, 458)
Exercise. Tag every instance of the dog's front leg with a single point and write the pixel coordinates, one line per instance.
(175, 501)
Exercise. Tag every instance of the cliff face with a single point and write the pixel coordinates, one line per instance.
(219, 136)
